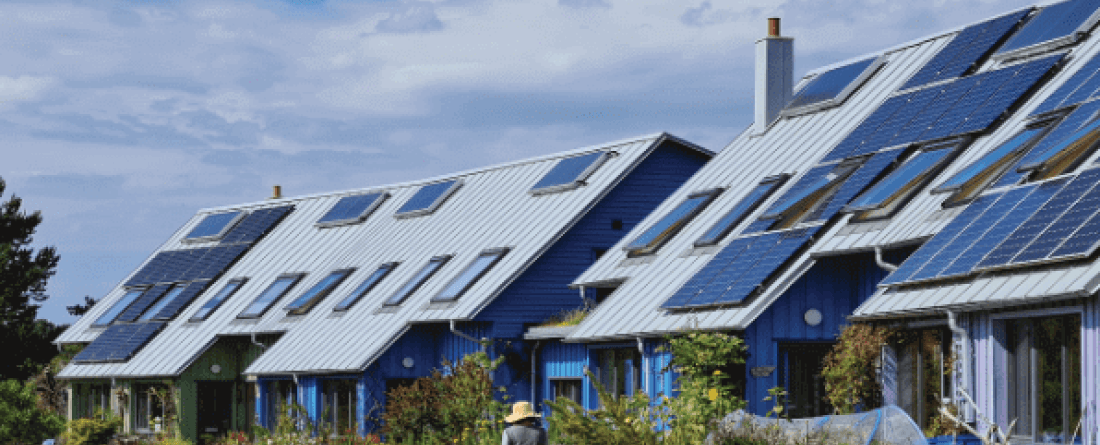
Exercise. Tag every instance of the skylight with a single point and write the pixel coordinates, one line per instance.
(832, 87)
(318, 292)
(972, 180)
(124, 302)
(366, 286)
(417, 280)
(1053, 26)
(468, 277)
(163, 301)
(273, 293)
(663, 230)
(352, 209)
(744, 208)
(428, 198)
(569, 173)
(214, 226)
(216, 302)
(887, 196)
(818, 185)
(1069, 152)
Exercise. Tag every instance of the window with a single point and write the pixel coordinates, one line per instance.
(921, 383)
(214, 227)
(816, 188)
(280, 395)
(92, 397)
(418, 280)
(318, 292)
(168, 297)
(567, 389)
(212, 305)
(973, 180)
(124, 302)
(366, 286)
(428, 199)
(662, 231)
(1069, 153)
(1044, 376)
(569, 173)
(832, 87)
(468, 277)
(891, 193)
(744, 208)
(620, 371)
(338, 400)
(149, 408)
(273, 293)
(352, 209)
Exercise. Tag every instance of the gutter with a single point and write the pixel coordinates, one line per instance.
(881, 262)
(264, 347)
(455, 331)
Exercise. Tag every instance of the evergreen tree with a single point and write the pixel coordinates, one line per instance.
(23, 275)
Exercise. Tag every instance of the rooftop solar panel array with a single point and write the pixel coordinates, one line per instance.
(1061, 198)
(1055, 23)
(966, 50)
(173, 266)
(1021, 209)
(174, 307)
(143, 302)
(256, 224)
(118, 343)
(1078, 86)
(829, 85)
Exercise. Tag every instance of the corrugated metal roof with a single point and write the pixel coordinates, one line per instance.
(791, 145)
(492, 209)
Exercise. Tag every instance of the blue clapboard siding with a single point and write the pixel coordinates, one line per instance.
(835, 286)
(557, 360)
(542, 290)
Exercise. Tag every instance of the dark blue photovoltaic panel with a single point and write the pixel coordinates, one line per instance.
(187, 265)
(985, 84)
(1057, 99)
(213, 225)
(178, 304)
(729, 275)
(854, 185)
(109, 317)
(1063, 196)
(1046, 147)
(712, 269)
(930, 248)
(867, 128)
(1053, 22)
(743, 208)
(1052, 151)
(568, 171)
(256, 225)
(918, 101)
(143, 302)
(945, 102)
(965, 50)
(971, 233)
(1067, 223)
(827, 85)
(768, 264)
(118, 343)
(1082, 242)
(1008, 95)
(759, 225)
(813, 180)
(351, 208)
(1084, 91)
(994, 235)
(912, 169)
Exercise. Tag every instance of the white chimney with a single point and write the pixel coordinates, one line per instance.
(774, 75)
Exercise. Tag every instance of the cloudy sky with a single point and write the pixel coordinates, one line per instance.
(120, 119)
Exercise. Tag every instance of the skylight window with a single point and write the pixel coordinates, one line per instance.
(352, 209)
(418, 280)
(569, 173)
(887, 196)
(428, 199)
(1054, 26)
(744, 208)
(230, 288)
(163, 301)
(660, 232)
(468, 277)
(214, 227)
(1069, 153)
(818, 186)
(273, 293)
(318, 292)
(832, 87)
(366, 286)
(972, 180)
(124, 302)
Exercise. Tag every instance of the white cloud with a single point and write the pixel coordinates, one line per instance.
(23, 88)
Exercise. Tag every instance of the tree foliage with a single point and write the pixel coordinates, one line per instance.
(24, 272)
(849, 368)
(21, 420)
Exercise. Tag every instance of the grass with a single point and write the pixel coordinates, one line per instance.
(571, 317)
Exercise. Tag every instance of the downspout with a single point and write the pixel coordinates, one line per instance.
(534, 370)
(881, 262)
(645, 369)
(298, 395)
(964, 353)
(455, 331)
(261, 345)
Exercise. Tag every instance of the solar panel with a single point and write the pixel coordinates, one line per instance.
(742, 209)
(867, 128)
(728, 276)
(124, 302)
(417, 280)
(830, 85)
(920, 166)
(352, 209)
(273, 293)
(142, 303)
(966, 50)
(759, 225)
(754, 278)
(918, 101)
(709, 272)
(1082, 243)
(428, 198)
(1062, 197)
(1052, 152)
(164, 299)
(1057, 99)
(216, 301)
(1010, 93)
(667, 227)
(366, 286)
(176, 305)
(318, 292)
(950, 252)
(1055, 24)
(1066, 224)
(256, 225)
(978, 248)
(982, 85)
(484, 261)
(118, 343)
(945, 103)
(569, 173)
(854, 184)
(930, 248)
(214, 226)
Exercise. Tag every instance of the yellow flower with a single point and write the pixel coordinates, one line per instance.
(717, 372)
(713, 394)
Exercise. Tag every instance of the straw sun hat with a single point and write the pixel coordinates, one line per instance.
(520, 411)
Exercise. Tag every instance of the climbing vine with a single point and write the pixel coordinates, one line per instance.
(849, 371)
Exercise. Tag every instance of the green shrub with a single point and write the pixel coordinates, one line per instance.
(22, 421)
(849, 369)
(97, 430)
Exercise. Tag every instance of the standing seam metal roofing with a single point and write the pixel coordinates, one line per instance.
(492, 209)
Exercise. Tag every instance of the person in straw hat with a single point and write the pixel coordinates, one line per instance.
(523, 430)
